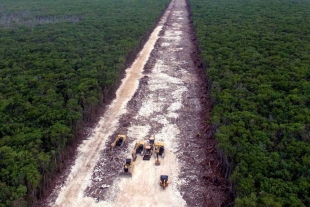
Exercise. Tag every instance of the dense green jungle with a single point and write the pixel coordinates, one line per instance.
(257, 57)
(59, 61)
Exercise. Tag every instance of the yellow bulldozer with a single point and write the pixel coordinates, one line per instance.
(159, 151)
(127, 168)
(163, 181)
(119, 142)
(139, 149)
(148, 148)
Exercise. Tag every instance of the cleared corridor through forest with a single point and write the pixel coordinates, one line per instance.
(161, 95)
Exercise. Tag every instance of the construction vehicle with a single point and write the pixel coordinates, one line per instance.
(148, 148)
(148, 151)
(163, 181)
(127, 168)
(159, 151)
(139, 148)
(119, 142)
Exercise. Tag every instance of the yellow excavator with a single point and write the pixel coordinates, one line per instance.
(159, 151)
(127, 168)
(163, 181)
(119, 141)
(148, 148)
(139, 148)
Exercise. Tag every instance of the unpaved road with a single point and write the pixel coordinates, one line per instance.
(163, 93)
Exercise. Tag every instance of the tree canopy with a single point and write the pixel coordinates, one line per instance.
(57, 61)
(256, 55)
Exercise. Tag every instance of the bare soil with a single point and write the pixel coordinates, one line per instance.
(204, 185)
(170, 101)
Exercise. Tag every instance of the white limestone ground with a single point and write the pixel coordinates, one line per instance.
(162, 105)
(72, 193)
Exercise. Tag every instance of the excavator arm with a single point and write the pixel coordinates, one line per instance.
(134, 155)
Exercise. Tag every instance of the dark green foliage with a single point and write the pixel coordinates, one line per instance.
(257, 58)
(57, 61)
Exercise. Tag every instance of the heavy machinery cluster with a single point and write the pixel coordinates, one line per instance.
(145, 149)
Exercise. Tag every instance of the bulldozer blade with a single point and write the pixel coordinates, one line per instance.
(125, 174)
